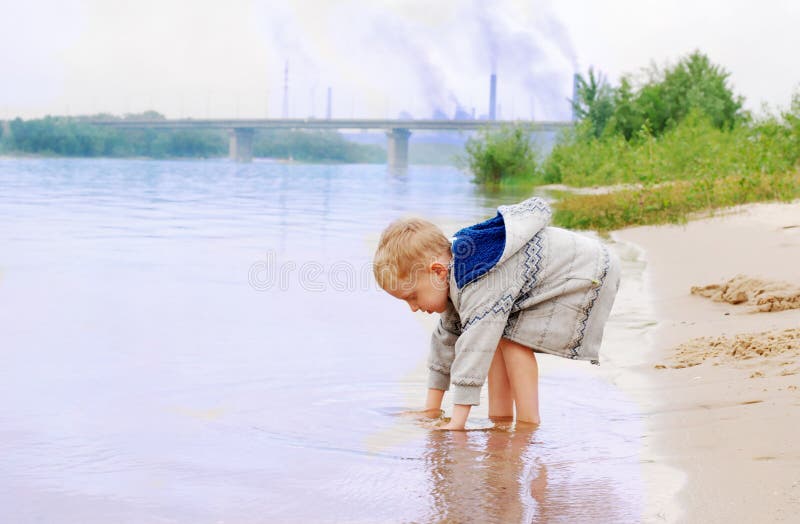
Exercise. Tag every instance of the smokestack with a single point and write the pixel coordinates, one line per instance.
(492, 96)
(575, 84)
(328, 110)
(285, 113)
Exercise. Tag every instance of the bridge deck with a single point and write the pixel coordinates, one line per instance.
(338, 123)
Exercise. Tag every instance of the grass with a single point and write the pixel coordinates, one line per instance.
(693, 149)
(692, 167)
(672, 202)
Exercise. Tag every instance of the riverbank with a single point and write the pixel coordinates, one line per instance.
(724, 411)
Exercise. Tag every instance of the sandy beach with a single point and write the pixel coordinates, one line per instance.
(719, 384)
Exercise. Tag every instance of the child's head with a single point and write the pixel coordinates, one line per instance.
(411, 263)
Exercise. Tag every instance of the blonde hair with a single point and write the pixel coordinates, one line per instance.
(406, 245)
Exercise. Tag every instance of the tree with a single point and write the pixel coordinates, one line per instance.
(693, 85)
(669, 95)
(594, 102)
(627, 118)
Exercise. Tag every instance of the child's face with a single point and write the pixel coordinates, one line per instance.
(427, 290)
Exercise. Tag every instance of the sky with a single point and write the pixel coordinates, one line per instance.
(214, 59)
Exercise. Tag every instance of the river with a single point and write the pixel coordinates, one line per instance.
(201, 341)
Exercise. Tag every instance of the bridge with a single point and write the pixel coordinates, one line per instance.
(397, 131)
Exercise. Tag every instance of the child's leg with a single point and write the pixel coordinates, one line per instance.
(501, 399)
(523, 375)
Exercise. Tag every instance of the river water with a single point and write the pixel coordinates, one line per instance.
(202, 342)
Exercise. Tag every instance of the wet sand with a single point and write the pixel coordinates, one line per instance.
(719, 384)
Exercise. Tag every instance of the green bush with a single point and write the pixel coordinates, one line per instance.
(504, 155)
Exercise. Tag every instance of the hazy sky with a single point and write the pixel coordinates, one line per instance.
(225, 59)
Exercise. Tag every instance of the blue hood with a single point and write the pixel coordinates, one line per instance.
(479, 248)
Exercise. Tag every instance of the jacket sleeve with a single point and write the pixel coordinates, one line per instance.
(484, 316)
(443, 341)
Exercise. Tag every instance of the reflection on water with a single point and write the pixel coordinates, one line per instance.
(144, 376)
(482, 474)
(574, 468)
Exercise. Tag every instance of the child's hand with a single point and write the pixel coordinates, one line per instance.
(431, 413)
(458, 420)
(450, 426)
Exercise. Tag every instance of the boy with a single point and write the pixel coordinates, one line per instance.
(505, 288)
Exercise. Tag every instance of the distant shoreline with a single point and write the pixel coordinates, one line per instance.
(76, 137)
(275, 160)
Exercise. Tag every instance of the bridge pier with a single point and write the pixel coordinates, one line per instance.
(397, 148)
(240, 146)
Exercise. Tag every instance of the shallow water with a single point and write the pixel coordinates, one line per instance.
(202, 342)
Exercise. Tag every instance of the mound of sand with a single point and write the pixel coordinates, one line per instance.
(784, 345)
(765, 295)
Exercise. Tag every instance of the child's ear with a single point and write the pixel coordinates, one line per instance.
(440, 269)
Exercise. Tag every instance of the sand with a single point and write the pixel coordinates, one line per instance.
(720, 378)
(775, 348)
(764, 295)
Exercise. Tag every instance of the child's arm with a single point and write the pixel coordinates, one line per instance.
(440, 358)
(484, 322)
